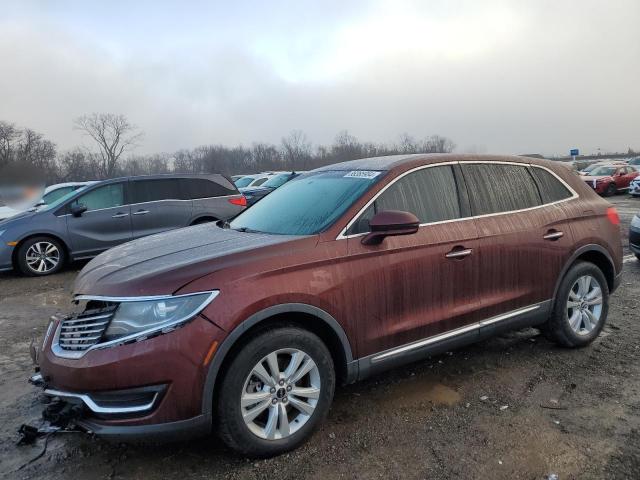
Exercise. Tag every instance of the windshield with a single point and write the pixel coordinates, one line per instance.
(307, 204)
(61, 200)
(634, 161)
(277, 181)
(602, 171)
(243, 182)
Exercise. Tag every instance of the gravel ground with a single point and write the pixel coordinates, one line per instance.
(515, 406)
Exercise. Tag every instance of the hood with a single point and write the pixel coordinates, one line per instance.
(6, 212)
(161, 264)
(7, 222)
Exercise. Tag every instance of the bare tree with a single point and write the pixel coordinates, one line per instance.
(9, 133)
(114, 135)
(296, 150)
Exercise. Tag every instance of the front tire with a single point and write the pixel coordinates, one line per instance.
(611, 190)
(40, 256)
(275, 392)
(581, 307)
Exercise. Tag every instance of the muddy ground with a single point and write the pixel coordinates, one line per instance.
(512, 407)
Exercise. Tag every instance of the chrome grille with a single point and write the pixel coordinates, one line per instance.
(82, 331)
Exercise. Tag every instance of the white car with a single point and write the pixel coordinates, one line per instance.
(51, 194)
(253, 180)
(634, 187)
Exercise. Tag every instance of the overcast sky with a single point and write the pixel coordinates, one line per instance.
(495, 76)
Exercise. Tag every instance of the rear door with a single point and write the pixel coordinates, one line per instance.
(158, 205)
(524, 241)
(413, 287)
(105, 224)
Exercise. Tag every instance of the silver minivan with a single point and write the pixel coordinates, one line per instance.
(92, 219)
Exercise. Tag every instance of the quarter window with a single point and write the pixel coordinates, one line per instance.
(202, 188)
(551, 189)
(431, 194)
(107, 196)
(495, 188)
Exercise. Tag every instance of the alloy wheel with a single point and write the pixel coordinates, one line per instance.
(42, 257)
(584, 305)
(280, 394)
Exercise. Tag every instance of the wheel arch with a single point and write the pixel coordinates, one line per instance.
(303, 315)
(595, 254)
(16, 249)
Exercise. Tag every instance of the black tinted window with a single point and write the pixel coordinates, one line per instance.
(430, 194)
(154, 190)
(551, 189)
(495, 188)
(203, 188)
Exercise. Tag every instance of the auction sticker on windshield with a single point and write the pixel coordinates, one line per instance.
(366, 174)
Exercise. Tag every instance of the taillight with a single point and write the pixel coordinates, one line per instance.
(242, 201)
(612, 215)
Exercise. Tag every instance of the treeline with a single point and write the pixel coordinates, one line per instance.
(23, 150)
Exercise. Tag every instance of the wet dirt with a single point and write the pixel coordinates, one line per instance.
(513, 407)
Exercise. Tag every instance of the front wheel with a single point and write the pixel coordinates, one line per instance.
(611, 190)
(277, 389)
(40, 256)
(581, 307)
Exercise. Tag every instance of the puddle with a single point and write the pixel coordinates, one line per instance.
(414, 392)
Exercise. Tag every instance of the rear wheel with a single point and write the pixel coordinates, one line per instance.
(581, 307)
(41, 256)
(275, 392)
(611, 190)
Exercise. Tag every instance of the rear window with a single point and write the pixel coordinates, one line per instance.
(243, 182)
(551, 189)
(495, 188)
(195, 188)
(155, 190)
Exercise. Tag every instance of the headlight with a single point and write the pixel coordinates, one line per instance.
(137, 317)
(635, 222)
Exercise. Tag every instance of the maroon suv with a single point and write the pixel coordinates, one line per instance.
(245, 328)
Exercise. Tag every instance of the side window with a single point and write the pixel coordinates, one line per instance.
(108, 196)
(551, 189)
(203, 188)
(257, 183)
(430, 194)
(154, 190)
(495, 188)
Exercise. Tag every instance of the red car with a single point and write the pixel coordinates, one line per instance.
(610, 179)
(245, 328)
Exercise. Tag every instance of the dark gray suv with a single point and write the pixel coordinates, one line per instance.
(95, 218)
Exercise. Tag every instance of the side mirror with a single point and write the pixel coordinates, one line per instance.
(390, 223)
(78, 210)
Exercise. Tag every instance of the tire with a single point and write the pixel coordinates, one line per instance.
(611, 190)
(561, 326)
(41, 256)
(240, 382)
(637, 256)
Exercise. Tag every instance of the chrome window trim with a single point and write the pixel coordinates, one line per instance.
(75, 354)
(342, 235)
(451, 333)
(94, 407)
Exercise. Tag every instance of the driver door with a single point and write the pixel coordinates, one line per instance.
(417, 286)
(105, 224)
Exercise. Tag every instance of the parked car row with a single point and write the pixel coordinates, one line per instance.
(339, 274)
(97, 216)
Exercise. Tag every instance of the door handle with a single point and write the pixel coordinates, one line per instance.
(553, 235)
(142, 212)
(459, 253)
(120, 215)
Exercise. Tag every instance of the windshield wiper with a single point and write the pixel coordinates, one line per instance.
(246, 230)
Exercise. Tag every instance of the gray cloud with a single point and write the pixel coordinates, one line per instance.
(506, 77)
